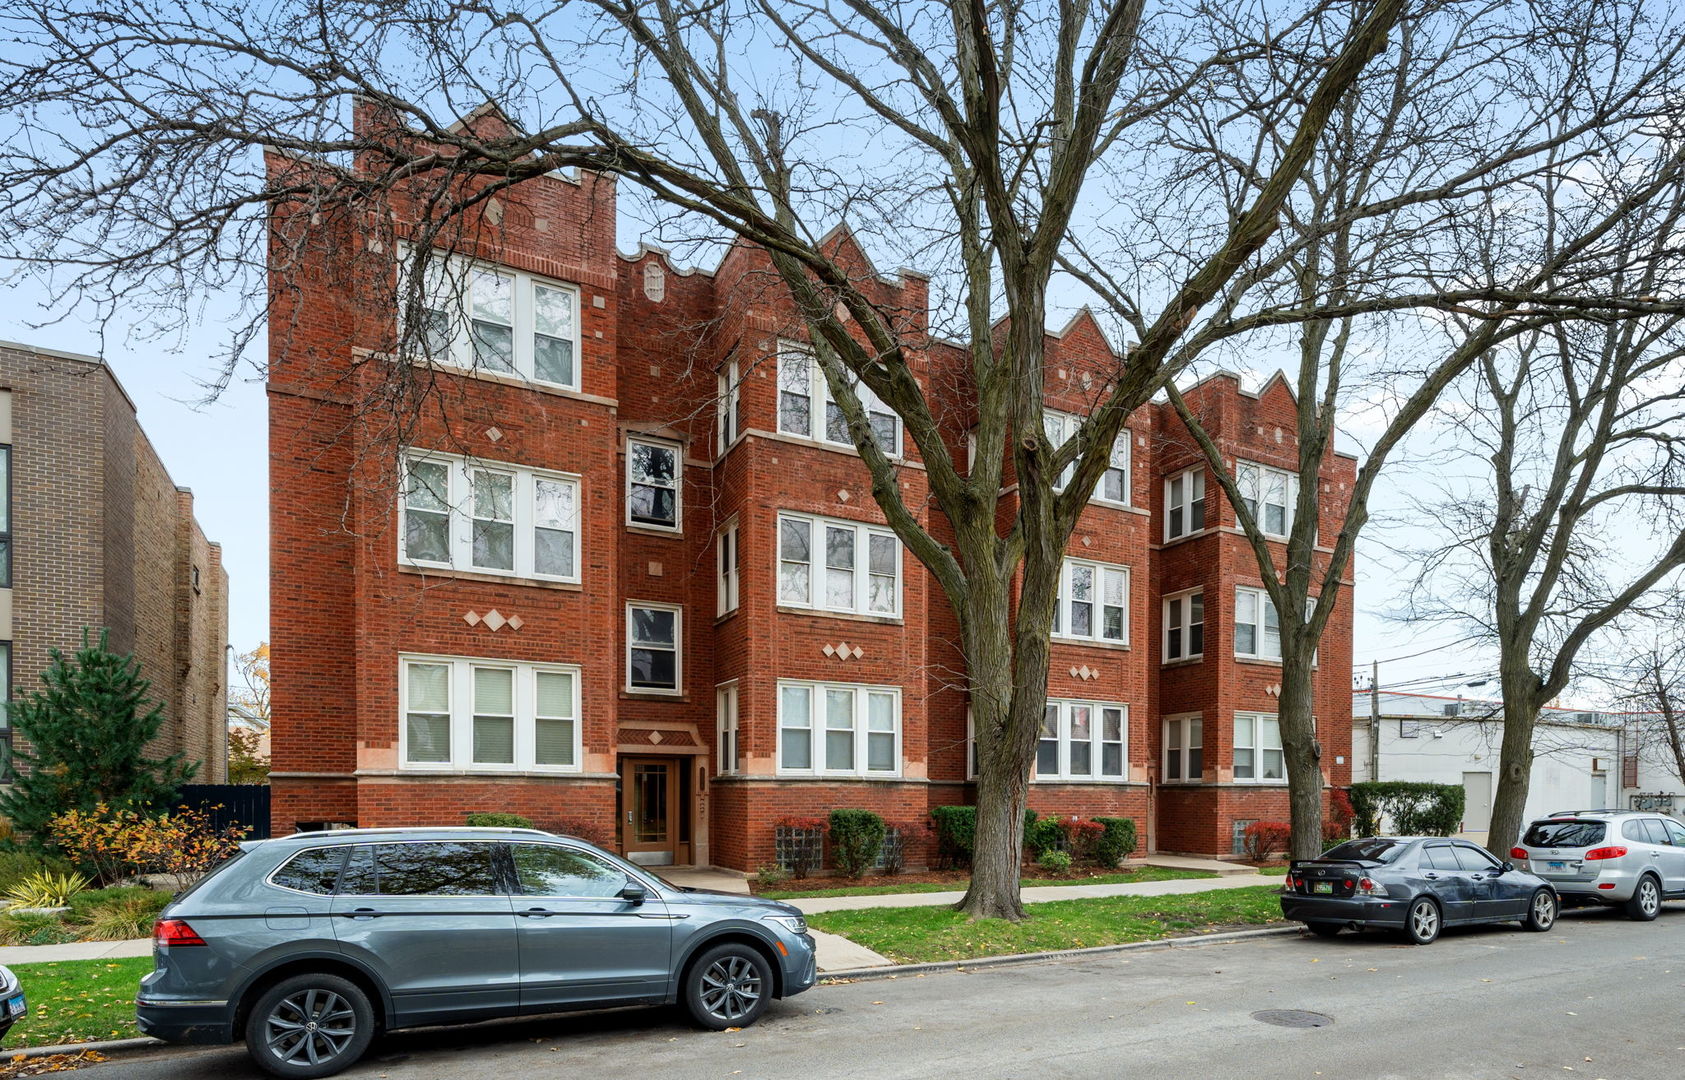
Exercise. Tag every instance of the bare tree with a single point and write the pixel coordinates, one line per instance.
(997, 140)
(1562, 511)
(1654, 695)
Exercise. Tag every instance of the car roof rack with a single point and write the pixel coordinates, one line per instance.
(1603, 810)
(413, 829)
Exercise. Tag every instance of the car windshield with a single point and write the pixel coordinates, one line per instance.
(1372, 850)
(1564, 834)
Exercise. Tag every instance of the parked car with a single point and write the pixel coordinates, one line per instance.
(309, 945)
(1415, 885)
(1626, 858)
(13, 1005)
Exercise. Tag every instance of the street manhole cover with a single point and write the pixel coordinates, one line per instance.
(1295, 1018)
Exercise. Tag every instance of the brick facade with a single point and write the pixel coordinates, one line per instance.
(347, 608)
(102, 537)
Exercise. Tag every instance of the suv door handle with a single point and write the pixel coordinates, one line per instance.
(537, 913)
(362, 913)
(1431, 877)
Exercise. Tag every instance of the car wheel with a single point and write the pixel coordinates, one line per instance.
(308, 1026)
(728, 986)
(1324, 929)
(1646, 901)
(1421, 921)
(1541, 912)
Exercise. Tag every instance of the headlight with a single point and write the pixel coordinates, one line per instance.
(8, 981)
(793, 923)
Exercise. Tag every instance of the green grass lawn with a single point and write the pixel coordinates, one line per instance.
(918, 935)
(1122, 877)
(1274, 870)
(78, 1001)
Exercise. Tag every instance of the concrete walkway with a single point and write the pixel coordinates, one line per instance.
(76, 950)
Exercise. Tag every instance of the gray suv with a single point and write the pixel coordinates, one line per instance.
(1626, 858)
(308, 946)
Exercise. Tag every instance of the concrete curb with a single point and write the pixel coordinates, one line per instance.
(109, 1045)
(862, 974)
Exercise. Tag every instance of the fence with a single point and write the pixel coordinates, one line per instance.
(232, 804)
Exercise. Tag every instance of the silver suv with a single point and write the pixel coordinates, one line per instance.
(310, 945)
(1617, 857)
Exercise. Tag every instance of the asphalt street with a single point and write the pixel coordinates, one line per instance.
(1596, 997)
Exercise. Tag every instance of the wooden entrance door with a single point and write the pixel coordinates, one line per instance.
(650, 799)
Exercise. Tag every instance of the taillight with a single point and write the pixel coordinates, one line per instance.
(1371, 887)
(1614, 852)
(1294, 881)
(174, 933)
(1517, 853)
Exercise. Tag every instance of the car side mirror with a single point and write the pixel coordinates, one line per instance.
(1506, 868)
(633, 893)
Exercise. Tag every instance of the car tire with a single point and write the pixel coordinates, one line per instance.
(729, 986)
(1325, 929)
(1646, 900)
(309, 1025)
(1542, 910)
(1422, 921)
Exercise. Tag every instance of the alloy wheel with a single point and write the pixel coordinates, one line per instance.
(1424, 920)
(731, 987)
(1649, 897)
(1544, 910)
(309, 1027)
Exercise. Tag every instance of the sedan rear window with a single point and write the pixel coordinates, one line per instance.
(1566, 833)
(1382, 851)
(312, 871)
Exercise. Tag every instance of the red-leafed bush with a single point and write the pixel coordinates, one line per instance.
(1264, 838)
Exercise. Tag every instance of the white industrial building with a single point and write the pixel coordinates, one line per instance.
(1577, 762)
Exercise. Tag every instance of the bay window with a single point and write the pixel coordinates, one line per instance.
(1257, 628)
(487, 517)
(725, 721)
(1257, 749)
(1093, 602)
(1113, 487)
(833, 565)
(653, 482)
(487, 716)
(807, 410)
(1269, 495)
(728, 422)
(653, 659)
(726, 555)
(838, 729)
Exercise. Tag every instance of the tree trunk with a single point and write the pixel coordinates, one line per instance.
(1302, 753)
(1515, 772)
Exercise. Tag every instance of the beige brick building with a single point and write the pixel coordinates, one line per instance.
(94, 533)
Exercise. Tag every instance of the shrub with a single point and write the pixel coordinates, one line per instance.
(590, 832)
(770, 875)
(893, 858)
(183, 846)
(1262, 838)
(1057, 861)
(1415, 807)
(1117, 840)
(856, 839)
(33, 928)
(496, 819)
(45, 890)
(124, 919)
(17, 865)
(956, 831)
(1042, 835)
(1082, 839)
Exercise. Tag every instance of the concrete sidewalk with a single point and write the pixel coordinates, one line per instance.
(76, 950)
(1039, 894)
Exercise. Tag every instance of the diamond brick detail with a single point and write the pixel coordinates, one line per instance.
(515, 622)
(472, 618)
(494, 435)
(859, 652)
(829, 650)
(494, 620)
(1073, 671)
(842, 650)
(655, 737)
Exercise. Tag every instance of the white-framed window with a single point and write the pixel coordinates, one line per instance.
(1257, 749)
(1184, 756)
(725, 721)
(833, 565)
(484, 317)
(805, 408)
(1184, 503)
(1269, 494)
(654, 482)
(1184, 625)
(1083, 740)
(727, 402)
(1093, 602)
(487, 517)
(1257, 628)
(726, 559)
(654, 664)
(838, 729)
(1113, 487)
(466, 715)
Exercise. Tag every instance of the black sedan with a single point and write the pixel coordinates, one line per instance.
(1414, 885)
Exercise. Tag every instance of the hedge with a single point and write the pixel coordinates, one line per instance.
(956, 832)
(1117, 843)
(1415, 807)
(495, 820)
(856, 838)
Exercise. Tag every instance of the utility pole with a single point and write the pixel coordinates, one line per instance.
(1374, 719)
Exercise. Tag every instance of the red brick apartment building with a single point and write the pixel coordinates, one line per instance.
(584, 586)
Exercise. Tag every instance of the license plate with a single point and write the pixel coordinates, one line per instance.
(1322, 886)
(1558, 865)
(15, 1006)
